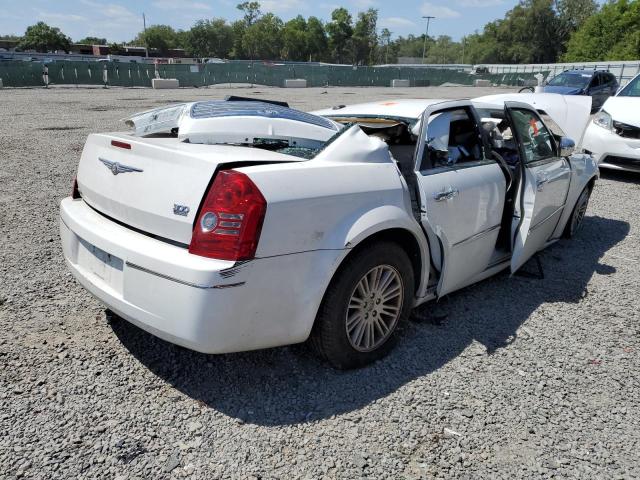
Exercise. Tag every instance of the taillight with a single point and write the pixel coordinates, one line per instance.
(119, 144)
(230, 220)
(75, 193)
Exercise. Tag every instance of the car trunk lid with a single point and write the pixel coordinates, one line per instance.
(156, 185)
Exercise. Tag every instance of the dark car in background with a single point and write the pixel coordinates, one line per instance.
(597, 84)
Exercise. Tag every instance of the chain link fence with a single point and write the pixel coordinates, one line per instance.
(30, 74)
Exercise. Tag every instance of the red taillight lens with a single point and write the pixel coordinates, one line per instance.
(117, 143)
(230, 220)
(75, 193)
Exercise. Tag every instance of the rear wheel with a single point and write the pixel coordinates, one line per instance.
(577, 216)
(369, 297)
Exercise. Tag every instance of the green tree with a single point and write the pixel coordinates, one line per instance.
(340, 32)
(161, 37)
(385, 44)
(92, 41)
(295, 39)
(43, 38)
(263, 39)
(611, 34)
(251, 11)
(529, 33)
(182, 37)
(115, 48)
(210, 38)
(317, 43)
(444, 50)
(239, 28)
(410, 46)
(573, 13)
(365, 37)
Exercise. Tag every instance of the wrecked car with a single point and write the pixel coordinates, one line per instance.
(225, 226)
(613, 136)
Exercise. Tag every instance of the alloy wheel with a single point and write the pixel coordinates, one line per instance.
(581, 210)
(374, 308)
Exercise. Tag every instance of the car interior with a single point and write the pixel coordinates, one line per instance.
(456, 140)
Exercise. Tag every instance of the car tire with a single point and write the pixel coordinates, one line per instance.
(577, 215)
(368, 298)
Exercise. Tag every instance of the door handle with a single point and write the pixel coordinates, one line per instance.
(445, 195)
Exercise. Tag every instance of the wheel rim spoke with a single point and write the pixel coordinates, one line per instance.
(580, 212)
(374, 308)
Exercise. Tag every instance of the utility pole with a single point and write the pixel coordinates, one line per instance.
(463, 40)
(426, 35)
(144, 29)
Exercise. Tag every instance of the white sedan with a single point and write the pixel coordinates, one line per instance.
(226, 226)
(613, 137)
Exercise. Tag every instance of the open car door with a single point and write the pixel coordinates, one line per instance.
(544, 183)
(461, 193)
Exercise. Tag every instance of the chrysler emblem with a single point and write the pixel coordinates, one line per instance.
(117, 168)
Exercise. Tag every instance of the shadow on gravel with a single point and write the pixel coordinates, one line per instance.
(288, 385)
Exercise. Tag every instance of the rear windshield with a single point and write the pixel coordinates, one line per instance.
(570, 80)
(631, 89)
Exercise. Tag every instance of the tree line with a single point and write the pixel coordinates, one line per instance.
(534, 31)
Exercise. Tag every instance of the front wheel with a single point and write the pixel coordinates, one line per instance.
(577, 216)
(527, 90)
(369, 297)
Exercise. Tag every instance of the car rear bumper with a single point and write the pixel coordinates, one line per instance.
(611, 150)
(208, 305)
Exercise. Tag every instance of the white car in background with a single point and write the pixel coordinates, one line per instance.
(226, 226)
(613, 136)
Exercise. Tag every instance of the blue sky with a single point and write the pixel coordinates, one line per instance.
(122, 20)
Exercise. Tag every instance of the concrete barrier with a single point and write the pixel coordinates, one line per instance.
(482, 83)
(295, 83)
(161, 83)
(398, 83)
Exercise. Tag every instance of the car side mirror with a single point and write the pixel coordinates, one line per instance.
(567, 146)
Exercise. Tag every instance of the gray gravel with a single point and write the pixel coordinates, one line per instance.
(511, 378)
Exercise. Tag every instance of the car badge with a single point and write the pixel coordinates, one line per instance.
(181, 210)
(117, 168)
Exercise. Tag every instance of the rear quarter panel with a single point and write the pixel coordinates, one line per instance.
(326, 205)
(333, 203)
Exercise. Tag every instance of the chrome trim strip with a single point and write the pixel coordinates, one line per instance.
(173, 279)
(475, 236)
(546, 219)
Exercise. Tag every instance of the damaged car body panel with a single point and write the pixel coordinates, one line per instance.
(242, 218)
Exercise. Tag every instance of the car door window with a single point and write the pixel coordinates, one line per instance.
(453, 141)
(537, 141)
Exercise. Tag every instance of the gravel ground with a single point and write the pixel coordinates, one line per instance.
(511, 378)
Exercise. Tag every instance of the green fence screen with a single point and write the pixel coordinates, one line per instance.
(30, 74)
